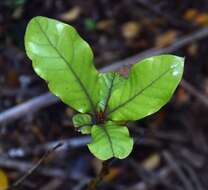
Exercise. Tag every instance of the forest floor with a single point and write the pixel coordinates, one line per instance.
(171, 146)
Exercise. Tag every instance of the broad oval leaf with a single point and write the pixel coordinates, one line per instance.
(62, 58)
(83, 122)
(110, 140)
(149, 86)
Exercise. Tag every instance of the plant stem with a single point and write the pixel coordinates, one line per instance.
(99, 178)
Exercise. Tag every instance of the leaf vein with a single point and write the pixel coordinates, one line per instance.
(138, 93)
(70, 68)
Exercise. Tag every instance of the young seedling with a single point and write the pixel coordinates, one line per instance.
(105, 101)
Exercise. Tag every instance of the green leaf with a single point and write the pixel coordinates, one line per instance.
(110, 140)
(62, 58)
(108, 83)
(90, 24)
(83, 122)
(149, 86)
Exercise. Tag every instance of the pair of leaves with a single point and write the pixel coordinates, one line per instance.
(105, 100)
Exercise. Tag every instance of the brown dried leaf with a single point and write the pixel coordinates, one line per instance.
(12, 78)
(166, 38)
(201, 19)
(104, 24)
(181, 96)
(193, 49)
(131, 30)
(190, 14)
(72, 14)
(159, 118)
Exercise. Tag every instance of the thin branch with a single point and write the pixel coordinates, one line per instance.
(181, 42)
(157, 11)
(193, 176)
(177, 169)
(53, 184)
(27, 107)
(24, 166)
(161, 175)
(67, 143)
(32, 169)
(193, 91)
(47, 99)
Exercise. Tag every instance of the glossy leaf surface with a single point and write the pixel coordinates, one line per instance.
(149, 86)
(106, 101)
(110, 140)
(62, 58)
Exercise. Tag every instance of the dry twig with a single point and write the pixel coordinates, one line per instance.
(34, 167)
(177, 169)
(67, 143)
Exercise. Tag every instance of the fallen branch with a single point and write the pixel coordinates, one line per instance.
(53, 184)
(178, 171)
(66, 144)
(27, 107)
(161, 175)
(24, 166)
(181, 42)
(47, 99)
(32, 169)
(158, 12)
(193, 91)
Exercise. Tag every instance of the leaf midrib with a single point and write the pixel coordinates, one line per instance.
(138, 93)
(108, 137)
(109, 92)
(69, 67)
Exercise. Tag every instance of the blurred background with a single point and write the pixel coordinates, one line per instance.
(171, 146)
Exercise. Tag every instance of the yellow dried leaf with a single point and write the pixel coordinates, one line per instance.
(151, 162)
(166, 38)
(104, 24)
(72, 14)
(193, 49)
(4, 184)
(190, 14)
(130, 29)
(202, 19)
(182, 96)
